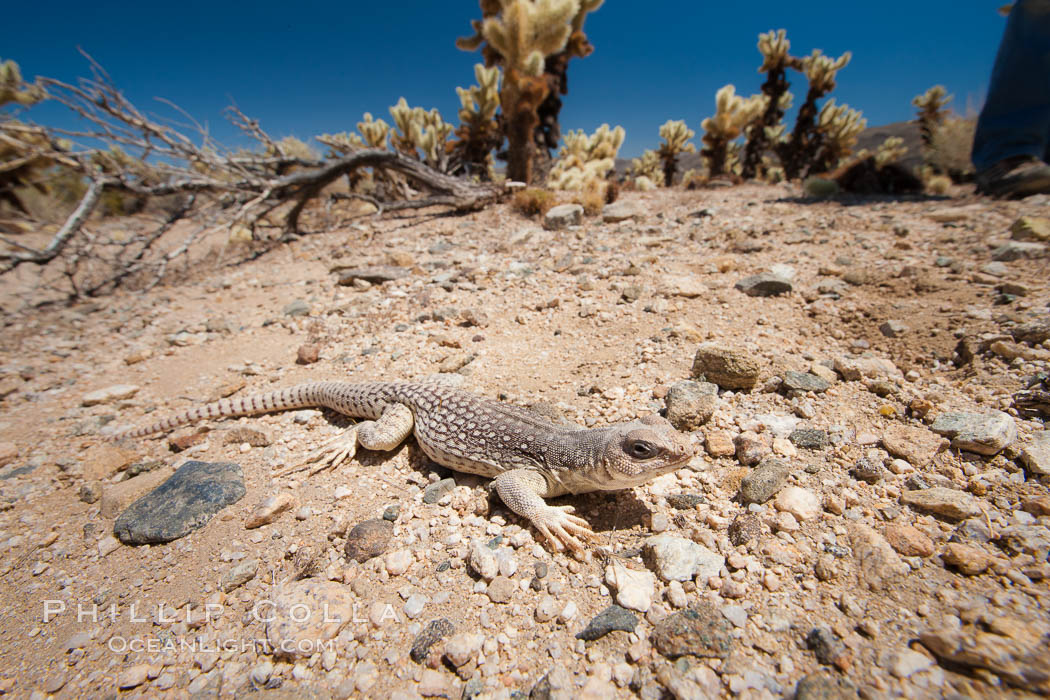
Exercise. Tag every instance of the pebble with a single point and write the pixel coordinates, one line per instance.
(483, 560)
(916, 445)
(268, 511)
(501, 589)
(801, 503)
(968, 559)
(398, 561)
(947, 503)
(907, 662)
(563, 216)
(374, 274)
(908, 541)
(435, 491)
(751, 448)
(1033, 540)
(735, 614)
(893, 329)
(108, 545)
(611, 619)
(634, 589)
(239, 575)
(878, 565)
(621, 211)
(804, 381)
(727, 367)
(744, 528)
(763, 482)
(867, 471)
(825, 686)
(982, 433)
(296, 308)
(1036, 454)
(1020, 250)
(857, 368)
(691, 404)
(414, 605)
(293, 633)
(185, 502)
(700, 630)
(368, 539)
(829, 649)
(809, 438)
(116, 392)
(434, 632)
(463, 647)
(133, 676)
(675, 558)
(766, 284)
(719, 443)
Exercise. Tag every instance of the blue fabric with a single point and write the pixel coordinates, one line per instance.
(1015, 119)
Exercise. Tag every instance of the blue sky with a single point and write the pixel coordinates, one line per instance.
(307, 67)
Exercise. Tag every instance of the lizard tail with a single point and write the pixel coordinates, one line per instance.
(298, 396)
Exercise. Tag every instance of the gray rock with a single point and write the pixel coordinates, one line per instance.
(1036, 454)
(376, 274)
(745, 528)
(947, 503)
(893, 329)
(368, 539)
(809, 438)
(766, 284)
(691, 404)
(972, 531)
(982, 433)
(563, 216)
(825, 686)
(239, 575)
(1019, 250)
(804, 381)
(685, 501)
(620, 211)
(763, 482)
(868, 471)
(434, 632)
(727, 367)
(735, 614)
(678, 559)
(297, 308)
(611, 619)
(435, 491)
(1026, 539)
(699, 630)
(182, 504)
(828, 648)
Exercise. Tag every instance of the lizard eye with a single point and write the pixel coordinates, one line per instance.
(639, 449)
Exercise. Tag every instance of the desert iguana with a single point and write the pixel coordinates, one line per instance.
(528, 457)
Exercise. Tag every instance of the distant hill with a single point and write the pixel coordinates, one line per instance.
(870, 139)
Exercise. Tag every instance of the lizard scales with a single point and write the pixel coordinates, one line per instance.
(529, 457)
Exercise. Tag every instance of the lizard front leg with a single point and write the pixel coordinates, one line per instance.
(522, 490)
(385, 433)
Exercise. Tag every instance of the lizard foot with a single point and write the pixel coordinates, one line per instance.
(329, 456)
(561, 528)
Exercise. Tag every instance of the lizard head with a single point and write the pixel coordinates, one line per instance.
(643, 449)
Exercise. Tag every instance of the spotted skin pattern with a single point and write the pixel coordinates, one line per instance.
(528, 457)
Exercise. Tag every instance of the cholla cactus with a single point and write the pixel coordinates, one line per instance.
(647, 171)
(523, 33)
(420, 129)
(732, 114)
(586, 159)
(372, 134)
(932, 112)
(774, 47)
(799, 154)
(838, 126)
(676, 137)
(15, 90)
(478, 132)
(890, 151)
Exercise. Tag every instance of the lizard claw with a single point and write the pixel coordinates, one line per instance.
(561, 528)
(328, 456)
